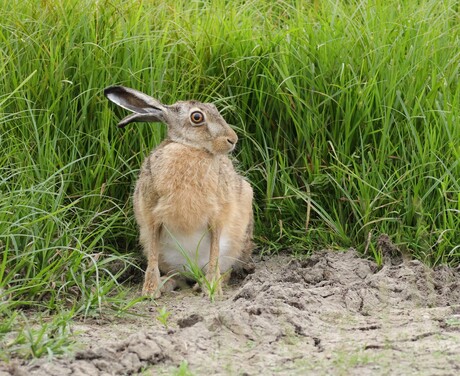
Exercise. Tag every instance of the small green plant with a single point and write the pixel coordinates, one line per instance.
(183, 370)
(213, 287)
(163, 316)
(345, 360)
(195, 273)
(453, 321)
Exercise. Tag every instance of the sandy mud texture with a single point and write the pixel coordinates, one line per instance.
(332, 314)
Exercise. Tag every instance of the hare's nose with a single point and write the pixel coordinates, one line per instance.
(232, 142)
(232, 138)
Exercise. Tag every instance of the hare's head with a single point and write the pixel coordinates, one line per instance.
(189, 122)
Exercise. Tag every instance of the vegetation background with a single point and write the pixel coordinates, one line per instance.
(347, 113)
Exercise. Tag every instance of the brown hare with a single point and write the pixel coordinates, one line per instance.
(189, 201)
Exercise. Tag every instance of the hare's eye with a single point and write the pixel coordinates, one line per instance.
(197, 117)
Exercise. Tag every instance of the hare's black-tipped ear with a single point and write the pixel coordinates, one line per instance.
(145, 108)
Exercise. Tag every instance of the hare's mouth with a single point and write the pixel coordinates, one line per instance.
(231, 143)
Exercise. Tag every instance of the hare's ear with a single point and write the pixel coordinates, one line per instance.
(145, 108)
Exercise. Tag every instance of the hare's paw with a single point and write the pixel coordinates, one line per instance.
(152, 286)
(151, 291)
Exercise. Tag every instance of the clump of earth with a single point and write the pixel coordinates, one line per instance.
(333, 313)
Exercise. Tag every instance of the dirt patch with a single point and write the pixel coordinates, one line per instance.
(334, 313)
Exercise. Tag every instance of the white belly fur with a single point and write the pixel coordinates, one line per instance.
(177, 249)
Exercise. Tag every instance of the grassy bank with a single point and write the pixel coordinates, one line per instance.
(347, 114)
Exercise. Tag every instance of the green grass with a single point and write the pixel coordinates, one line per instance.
(38, 338)
(347, 114)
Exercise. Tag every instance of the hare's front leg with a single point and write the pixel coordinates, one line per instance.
(150, 239)
(213, 277)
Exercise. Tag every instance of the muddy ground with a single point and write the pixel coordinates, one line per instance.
(332, 314)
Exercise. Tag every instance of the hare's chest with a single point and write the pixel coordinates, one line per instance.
(187, 198)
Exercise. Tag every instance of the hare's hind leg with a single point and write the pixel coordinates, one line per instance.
(150, 239)
(248, 243)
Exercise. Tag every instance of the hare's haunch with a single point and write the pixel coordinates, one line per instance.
(189, 202)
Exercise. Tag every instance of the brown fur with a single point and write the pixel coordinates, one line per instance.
(187, 184)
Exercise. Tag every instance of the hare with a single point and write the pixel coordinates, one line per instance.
(189, 202)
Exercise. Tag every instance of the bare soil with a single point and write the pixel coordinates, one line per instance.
(334, 313)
